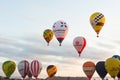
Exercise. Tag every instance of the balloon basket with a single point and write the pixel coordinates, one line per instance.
(97, 35)
(48, 44)
(60, 44)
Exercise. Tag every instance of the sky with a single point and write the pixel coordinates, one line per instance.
(22, 23)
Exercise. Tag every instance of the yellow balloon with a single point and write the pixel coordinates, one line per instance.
(8, 68)
(97, 21)
(48, 35)
(112, 65)
(51, 70)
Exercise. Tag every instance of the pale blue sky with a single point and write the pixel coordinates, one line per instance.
(22, 23)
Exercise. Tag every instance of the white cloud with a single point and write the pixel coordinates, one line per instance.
(65, 57)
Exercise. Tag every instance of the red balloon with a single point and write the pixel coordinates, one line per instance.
(79, 43)
(35, 68)
(23, 68)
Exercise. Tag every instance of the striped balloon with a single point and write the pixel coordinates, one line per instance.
(51, 70)
(8, 68)
(23, 68)
(35, 68)
(29, 74)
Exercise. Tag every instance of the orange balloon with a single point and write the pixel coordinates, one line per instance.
(89, 69)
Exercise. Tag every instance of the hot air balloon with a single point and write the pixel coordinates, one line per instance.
(35, 68)
(97, 21)
(89, 69)
(100, 68)
(51, 71)
(60, 29)
(112, 65)
(8, 68)
(117, 57)
(23, 68)
(29, 75)
(79, 43)
(48, 35)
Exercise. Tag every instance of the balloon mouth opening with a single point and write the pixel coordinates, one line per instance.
(99, 24)
(79, 53)
(47, 44)
(60, 44)
(97, 35)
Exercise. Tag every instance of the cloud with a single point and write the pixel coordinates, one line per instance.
(65, 57)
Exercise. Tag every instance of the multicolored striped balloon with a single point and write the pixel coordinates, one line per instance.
(89, 69)
(23, 68)
(51, 70)
(8, 68)
(35, 68)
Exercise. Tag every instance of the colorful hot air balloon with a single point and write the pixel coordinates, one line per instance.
(60, 29)
(23, 68)
(112, 65)
(97, 21)
(51, 70)
(100, 68)
(89, 69)
(8, 68)
(79, 43)
(48, 35)
(35, 68)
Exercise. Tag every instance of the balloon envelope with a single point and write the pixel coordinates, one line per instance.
(23, 68)
(35, 68)
(29, 74)
(97, 21)
(8, 68)
(51, 70)
(79, 43)
(89, 69)
(116, 56)
(48, 35)
(60, 29)
(100, 68)
(112, 65)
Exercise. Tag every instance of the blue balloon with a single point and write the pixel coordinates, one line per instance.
(116, 56)
(100, 68)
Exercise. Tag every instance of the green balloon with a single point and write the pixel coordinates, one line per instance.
(8, 68)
